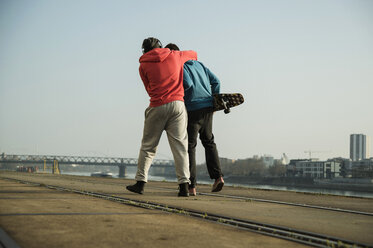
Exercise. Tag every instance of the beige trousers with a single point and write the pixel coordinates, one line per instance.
(173, 118)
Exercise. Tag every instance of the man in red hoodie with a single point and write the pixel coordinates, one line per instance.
(161, 71)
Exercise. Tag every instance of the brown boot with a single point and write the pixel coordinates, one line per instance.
(218, 185)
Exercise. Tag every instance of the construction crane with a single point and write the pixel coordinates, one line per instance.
(310, 152)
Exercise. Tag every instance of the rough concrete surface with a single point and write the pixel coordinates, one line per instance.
(39, 217)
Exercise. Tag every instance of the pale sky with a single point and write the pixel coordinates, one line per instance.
(69, 82)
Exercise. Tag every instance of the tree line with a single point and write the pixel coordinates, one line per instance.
(250, 167)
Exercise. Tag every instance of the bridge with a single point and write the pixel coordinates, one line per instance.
(56, 160)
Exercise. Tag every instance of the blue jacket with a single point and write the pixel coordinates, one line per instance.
(199, 86)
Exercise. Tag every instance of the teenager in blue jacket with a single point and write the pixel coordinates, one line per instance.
(200, 84)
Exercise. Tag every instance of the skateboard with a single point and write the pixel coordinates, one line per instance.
(226, 101)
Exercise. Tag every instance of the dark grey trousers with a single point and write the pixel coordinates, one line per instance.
(200, 122)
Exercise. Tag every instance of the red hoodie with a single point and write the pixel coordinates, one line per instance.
(161, 71)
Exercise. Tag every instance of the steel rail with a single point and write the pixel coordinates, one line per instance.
(291, 234)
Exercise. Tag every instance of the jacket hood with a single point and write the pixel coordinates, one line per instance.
(155, 55)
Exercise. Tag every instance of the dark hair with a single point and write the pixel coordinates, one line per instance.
(172, 46)
(150, 43)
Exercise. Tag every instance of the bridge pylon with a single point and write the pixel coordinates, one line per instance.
(56, 167)
(122, 170)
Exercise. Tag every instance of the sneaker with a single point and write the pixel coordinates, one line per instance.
(183, 190)
(192, 191)
(218, 185)
(138, 187)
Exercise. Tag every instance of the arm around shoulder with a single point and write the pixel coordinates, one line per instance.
(188, 55)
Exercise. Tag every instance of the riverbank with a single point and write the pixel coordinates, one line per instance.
(349, 185)
(307, 185)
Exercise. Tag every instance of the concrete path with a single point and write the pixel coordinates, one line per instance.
(39, 217)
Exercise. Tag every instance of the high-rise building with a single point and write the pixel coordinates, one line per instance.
(358, 147)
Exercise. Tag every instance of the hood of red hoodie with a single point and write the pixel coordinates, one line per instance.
(155, 55)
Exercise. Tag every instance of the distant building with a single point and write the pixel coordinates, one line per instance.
(362, 168)
(314, 169)
(359, 147)
(284, 159)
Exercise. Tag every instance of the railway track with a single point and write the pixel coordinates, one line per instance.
(290, 204)
(291, 234)
(246, 198)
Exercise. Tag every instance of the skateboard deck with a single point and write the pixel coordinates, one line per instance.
(226, 101)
